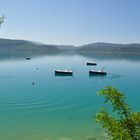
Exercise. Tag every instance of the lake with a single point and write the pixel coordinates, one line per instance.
(61, 107)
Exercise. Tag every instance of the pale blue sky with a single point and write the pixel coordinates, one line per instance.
(75, 22)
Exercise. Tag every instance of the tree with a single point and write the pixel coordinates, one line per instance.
(125, 125)
(1, 19)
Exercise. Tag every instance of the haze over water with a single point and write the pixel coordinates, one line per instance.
(61, 107)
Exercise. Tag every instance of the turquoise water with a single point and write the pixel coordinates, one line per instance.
(60, 108)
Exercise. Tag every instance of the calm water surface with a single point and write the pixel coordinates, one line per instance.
(60, 108)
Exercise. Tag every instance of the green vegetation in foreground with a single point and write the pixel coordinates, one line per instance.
(126, 125)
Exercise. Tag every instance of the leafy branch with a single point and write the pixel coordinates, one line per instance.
(126, 126)
(2, 19)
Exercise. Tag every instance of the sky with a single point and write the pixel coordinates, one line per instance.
(71, 22)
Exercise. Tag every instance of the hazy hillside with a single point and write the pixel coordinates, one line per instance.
(110, 48)
(21, 47)
(66, 47)
(27, 48)
(32, 46)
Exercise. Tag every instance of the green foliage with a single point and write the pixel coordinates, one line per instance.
(124, 126)
(1, 19)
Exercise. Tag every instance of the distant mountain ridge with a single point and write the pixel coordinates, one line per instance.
(20, 47)
(102, 47)
(24, 44)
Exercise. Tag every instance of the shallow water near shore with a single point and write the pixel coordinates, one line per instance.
(60, 107)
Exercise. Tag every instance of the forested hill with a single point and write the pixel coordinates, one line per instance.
(22, 47)
(110, 48)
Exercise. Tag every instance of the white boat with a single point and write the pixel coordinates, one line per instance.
(64, 72)
(95, 72)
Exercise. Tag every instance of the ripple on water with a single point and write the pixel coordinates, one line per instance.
(38, 103)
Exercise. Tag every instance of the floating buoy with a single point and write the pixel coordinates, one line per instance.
(33, 83)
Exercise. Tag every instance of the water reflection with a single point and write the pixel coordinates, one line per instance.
(97, 75)
(89, 55)
(111, 56)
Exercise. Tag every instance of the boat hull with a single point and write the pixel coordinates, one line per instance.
(28, 58)
(91, 64)
(63, 73)
(97, 72)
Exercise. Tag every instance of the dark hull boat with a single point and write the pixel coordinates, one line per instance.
(63, 73)
(99, 72)
(91, 63)
(28, 58)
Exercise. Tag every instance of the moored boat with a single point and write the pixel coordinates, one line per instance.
(28, 58)
(91, 63)
(97, 72)
(63, 72)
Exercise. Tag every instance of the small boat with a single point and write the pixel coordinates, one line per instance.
(63, 72)
(97, 72)
(91, 63)
(28, 58)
